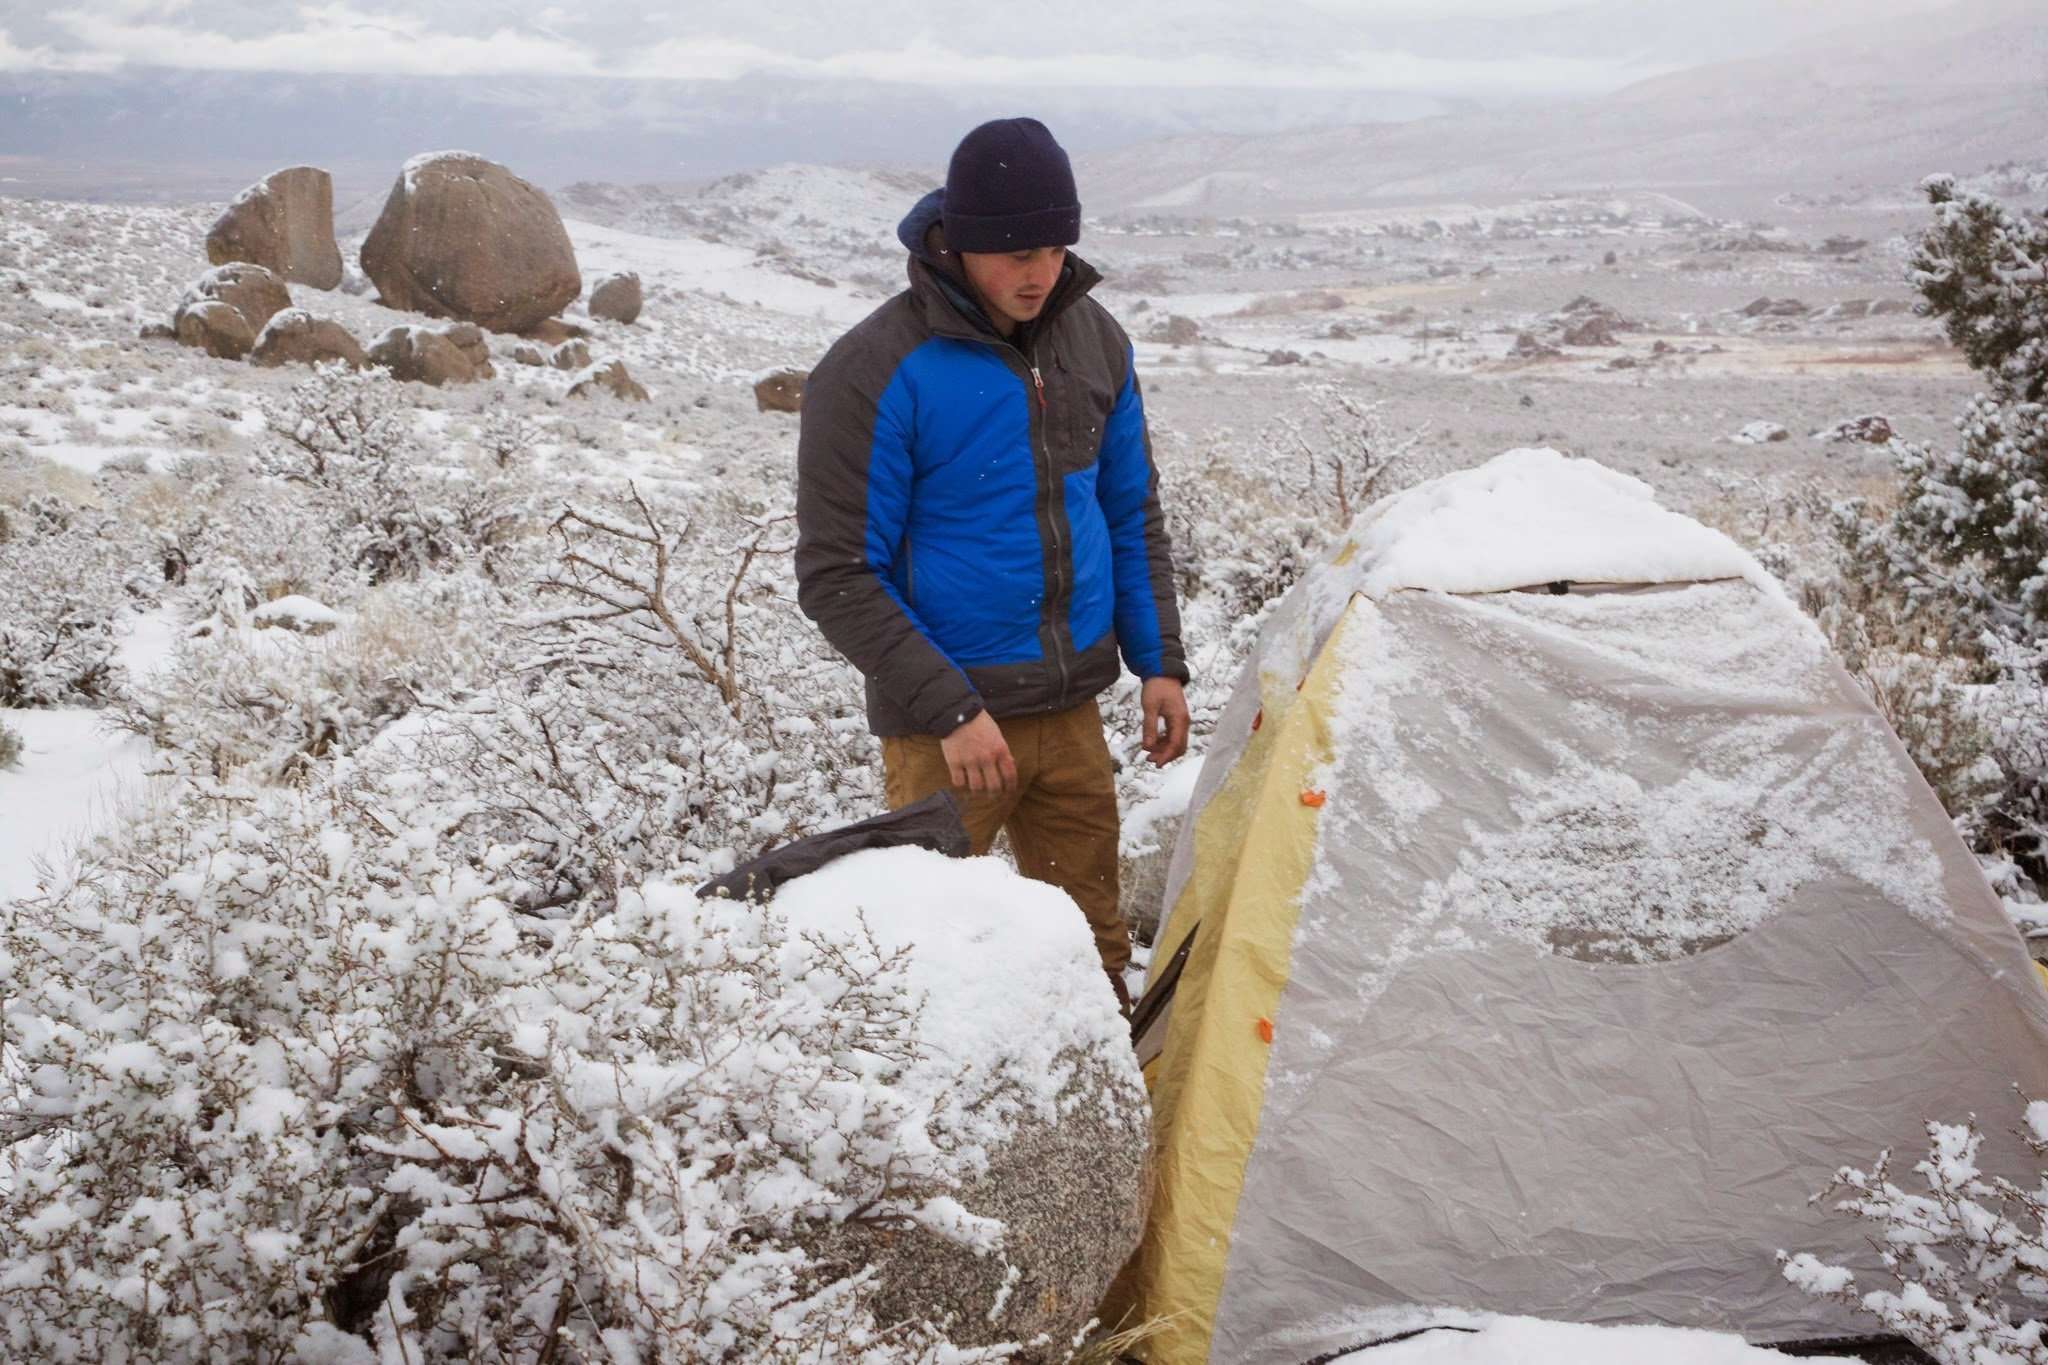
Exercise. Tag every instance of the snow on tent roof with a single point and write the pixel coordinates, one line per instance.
(1536, 516)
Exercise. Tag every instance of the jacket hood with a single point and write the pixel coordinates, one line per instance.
(924, 215)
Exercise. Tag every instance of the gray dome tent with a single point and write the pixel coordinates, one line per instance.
(1553, 916)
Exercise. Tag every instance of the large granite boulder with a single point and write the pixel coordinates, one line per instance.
(455, 354)
(1035, 1080)
(608, 376)
(781, 391)
(251, 292)
(285, 223)
(462, 237)
(296, 337)
(616, 297)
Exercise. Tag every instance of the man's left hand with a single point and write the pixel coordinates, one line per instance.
(1165, 736)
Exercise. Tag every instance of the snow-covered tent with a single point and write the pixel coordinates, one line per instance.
(1552, 917)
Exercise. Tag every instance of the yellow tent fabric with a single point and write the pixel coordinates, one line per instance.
(1254, 843)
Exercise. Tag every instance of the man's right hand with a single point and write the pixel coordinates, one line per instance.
(978, 757)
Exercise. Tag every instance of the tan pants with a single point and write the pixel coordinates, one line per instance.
(1061, 818)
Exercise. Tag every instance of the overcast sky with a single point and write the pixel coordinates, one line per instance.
(1444, 47)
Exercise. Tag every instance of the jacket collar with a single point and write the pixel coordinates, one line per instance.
(938, 284)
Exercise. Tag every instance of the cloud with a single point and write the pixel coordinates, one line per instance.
(16, 58)
(343, 37)
(329, 38)
(926, 63)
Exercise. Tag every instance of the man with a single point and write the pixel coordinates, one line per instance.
(979, 527)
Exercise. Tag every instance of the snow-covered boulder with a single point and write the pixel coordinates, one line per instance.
(298, 613)
(252, 293)
(1760, 433)
(463, 237)
(297, 337)
(455, 354)
(1029, 1067)
(607, 376)
(781, 391)
(215, 327)
(616, 297)
(285, 223)
(1146, 837)
(1870, 428)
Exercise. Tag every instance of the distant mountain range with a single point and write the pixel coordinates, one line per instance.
(1863, 106)
(182, 135)
(1863, 93)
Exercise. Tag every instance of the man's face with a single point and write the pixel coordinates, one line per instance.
(1014, 285)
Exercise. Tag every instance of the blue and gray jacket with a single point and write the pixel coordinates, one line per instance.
(978, 517)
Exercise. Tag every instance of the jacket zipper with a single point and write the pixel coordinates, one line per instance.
(1059, 550)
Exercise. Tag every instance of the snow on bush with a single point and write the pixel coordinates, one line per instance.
(299, 1085)
(1248, 520)
(343, 440)
(1958, 1255)
(63, 574)
(236, 701)
(669, 706)
(1942, 606)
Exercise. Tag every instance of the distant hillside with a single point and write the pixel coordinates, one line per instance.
(818, 223)
(1871, 105)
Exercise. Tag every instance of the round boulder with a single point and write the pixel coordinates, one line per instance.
(285, 223)
(456, 354)
(781, 391)
(1036, 1084)
(610, 377)
(462, 237)
(251, 290)
(616, 297)
(215, 327)
(296, 337)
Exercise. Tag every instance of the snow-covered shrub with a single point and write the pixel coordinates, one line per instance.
(1247, 520)
(299, 1085)
(346, 443)
(1947, 583)
(671, 708)
(1959, 1255)
(237, 701)
(62, 573)
(1335, 454)
(1983, 270)
(10, 745)
(241, 538)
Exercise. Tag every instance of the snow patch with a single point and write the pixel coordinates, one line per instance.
(1012, 983)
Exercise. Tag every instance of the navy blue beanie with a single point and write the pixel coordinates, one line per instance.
(1010, 187)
